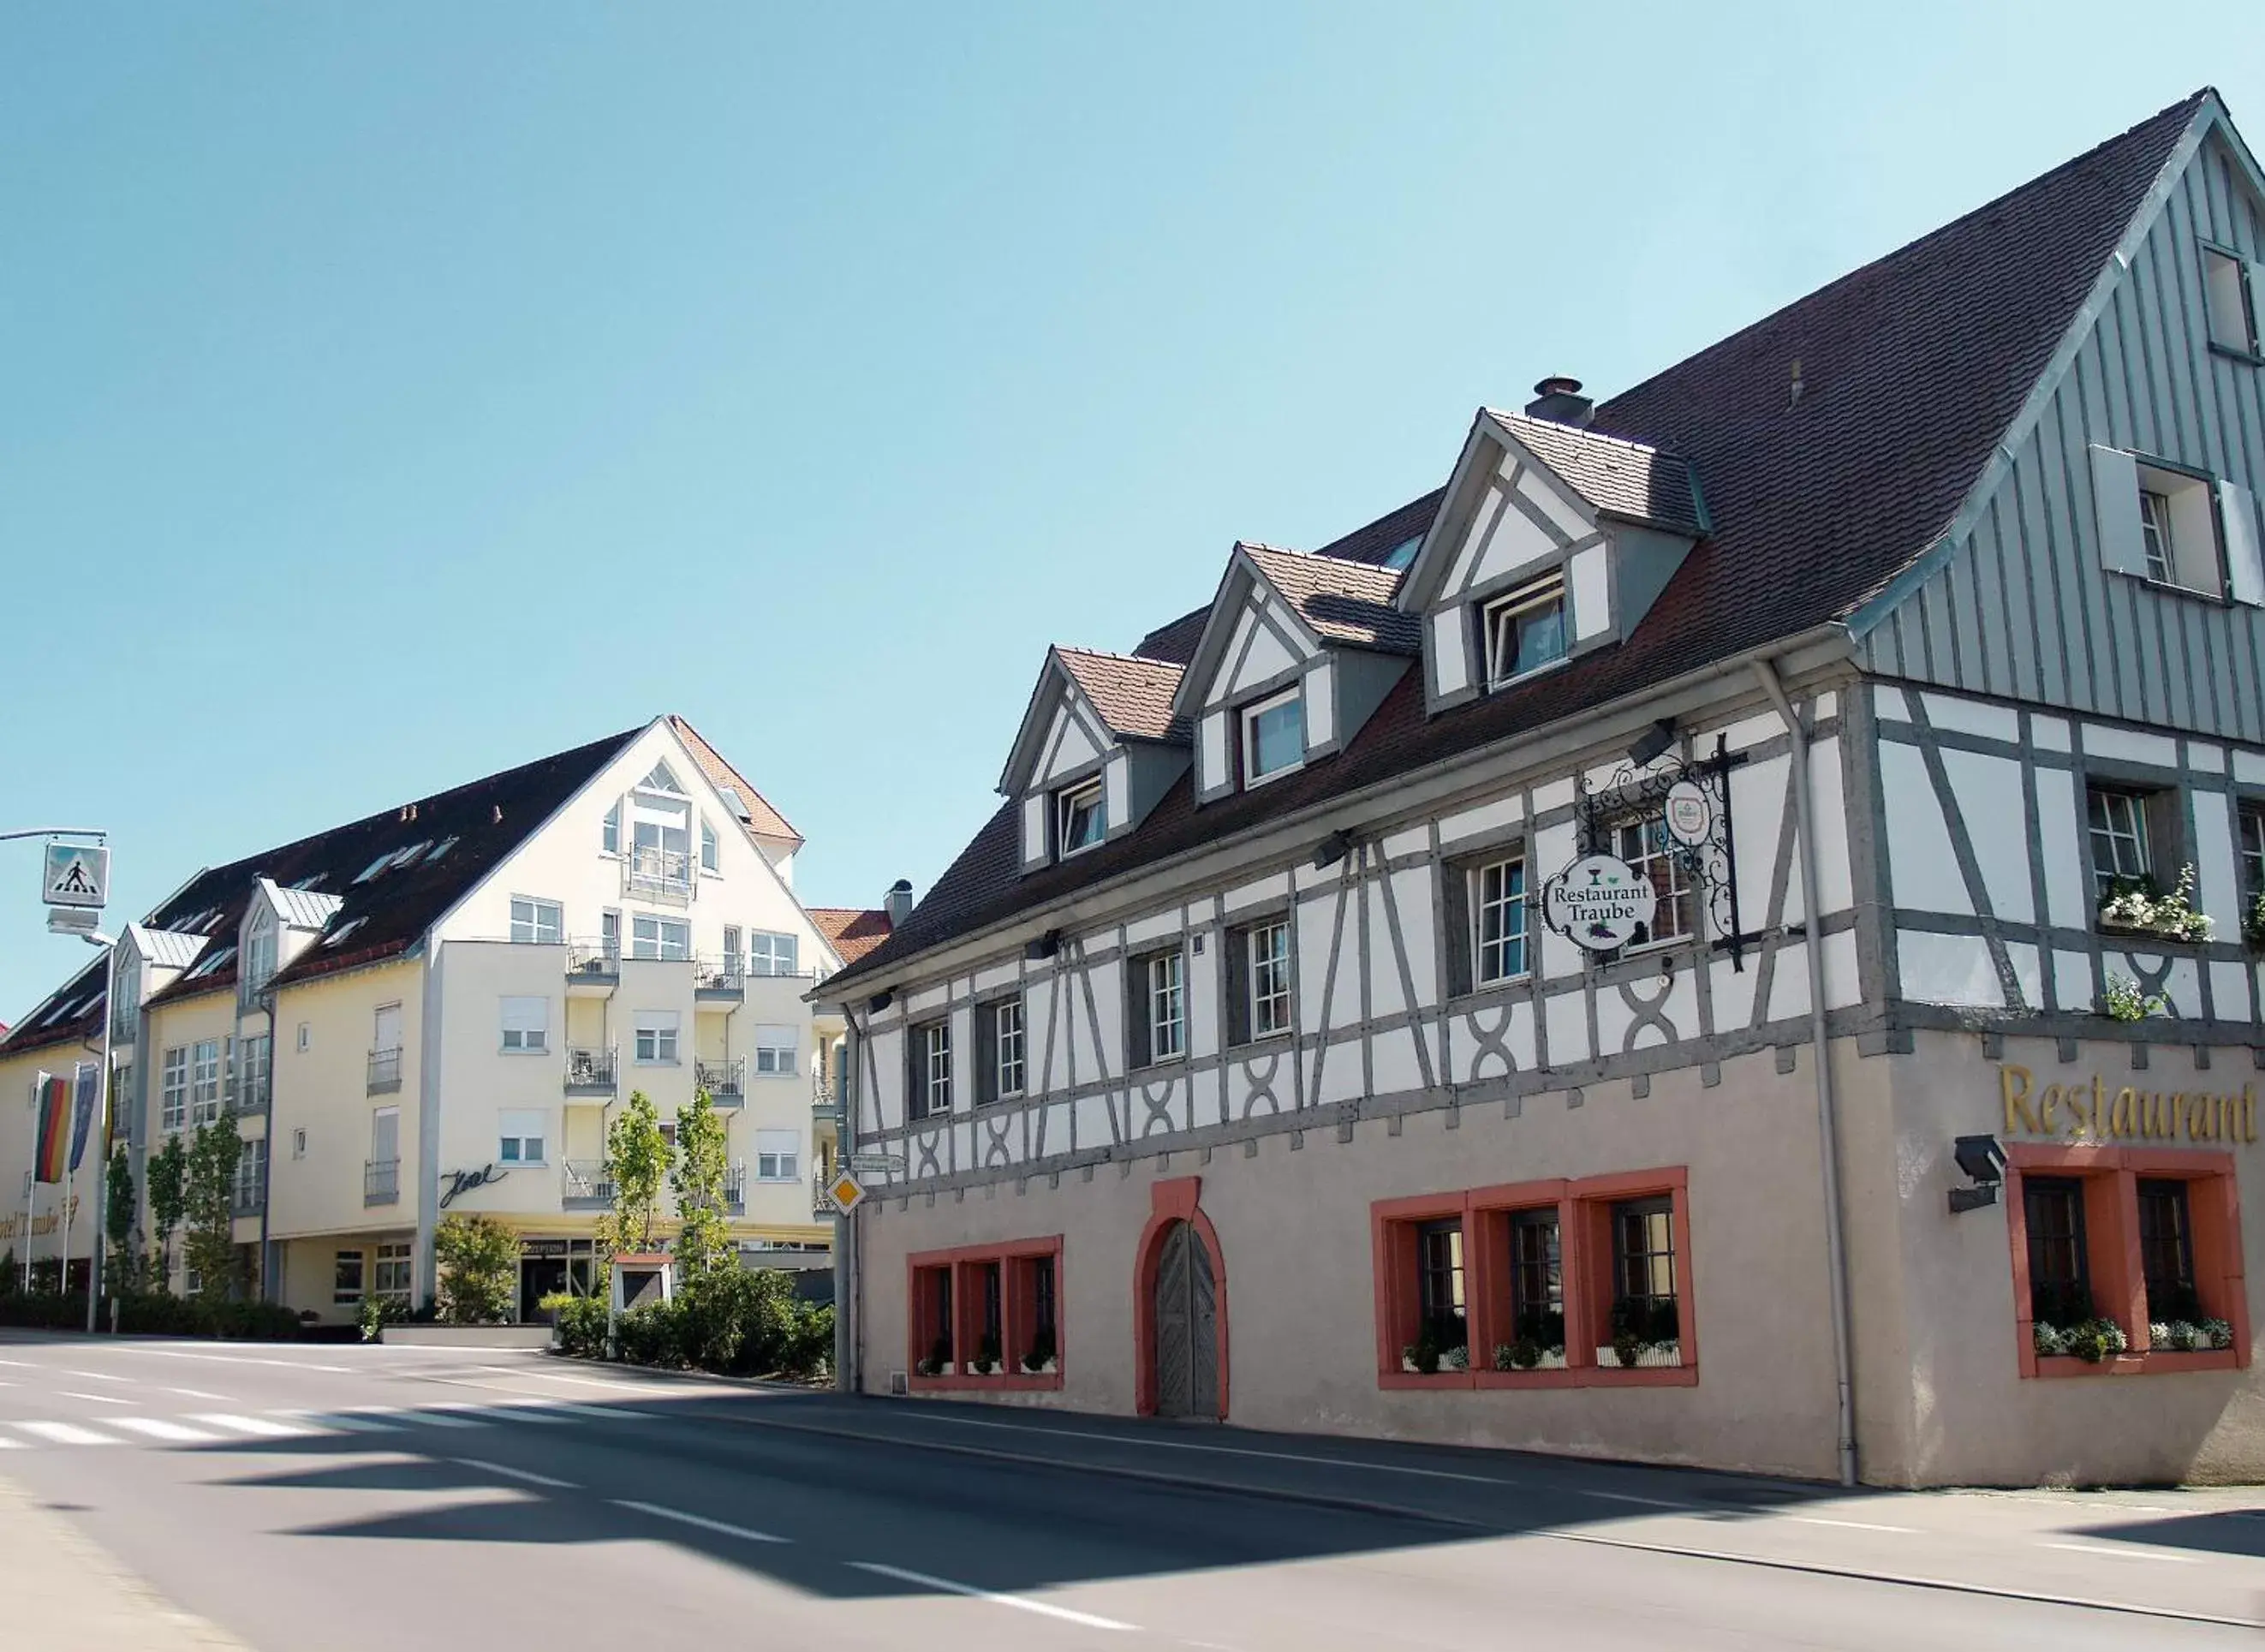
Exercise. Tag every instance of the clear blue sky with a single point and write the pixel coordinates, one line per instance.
(395, 393)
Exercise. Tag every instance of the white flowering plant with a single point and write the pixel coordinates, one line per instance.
(2136, 904)
(2122, 1000)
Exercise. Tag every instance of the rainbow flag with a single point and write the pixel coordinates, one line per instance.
(51, 1158)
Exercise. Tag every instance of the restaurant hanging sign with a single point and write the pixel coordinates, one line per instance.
(1598, 902)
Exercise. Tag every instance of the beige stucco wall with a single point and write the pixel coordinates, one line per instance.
(19, 1075)
(325, 1090)
(1293, 1224)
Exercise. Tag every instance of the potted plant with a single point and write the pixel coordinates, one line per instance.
(1522, 1355)
(1643, 1324)
(938, 1363)
(2095, 1339)
(1422, 1356)
(1457, 1357)
(2137, 905)
(1040, 1359)
(2219, 1333)
(986, 1356)
(2122, 1000)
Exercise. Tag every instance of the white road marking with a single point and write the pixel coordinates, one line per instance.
(7, 1444)
(587, 1382)
(161, 1429)
(20, 1364)
(1622, 1496)
(97, 1399)
(66, 1434)
(526, 1474)
(238, 1359)
(198, 1393)
(1225, 1451)
(1849, 1525)
(604, 1414)
(522, 1414)
(263, 1427)
(346, 1422)
(97, 1376)
(2126, 1555)
(1018, 1602)
(702, 1521)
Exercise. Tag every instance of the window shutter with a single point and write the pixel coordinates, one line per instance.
(2115, 509)
(987, 1052)
(1238, 987)
(1455, 901)
(2245, 568)
(1138, 1051)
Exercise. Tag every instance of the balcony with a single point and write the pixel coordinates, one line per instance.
(586, 1184)
(248, 1098)
(722, 1080)
(385, 1071)
(593, 968)
(380, 1182)
(592, 1071)
(664, 874)
(822, 1202)
(251, 1192)
(719, 981)
(735, 1188)
(825, 1105)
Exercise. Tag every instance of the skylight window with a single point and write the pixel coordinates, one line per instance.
(311, 883)
(375, 868)
(343, 931)
(211, 961)
(1402, 555)
(439, 850)
(408, 856)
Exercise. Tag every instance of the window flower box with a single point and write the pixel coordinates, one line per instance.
(2137, 905)
(1528, 1355)
(1640, 1355)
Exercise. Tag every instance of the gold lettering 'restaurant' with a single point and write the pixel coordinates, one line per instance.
(2093, 1112)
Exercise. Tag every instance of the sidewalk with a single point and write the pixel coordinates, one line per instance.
(63, 1591)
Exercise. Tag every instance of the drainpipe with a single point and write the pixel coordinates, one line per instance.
(1827, 1130)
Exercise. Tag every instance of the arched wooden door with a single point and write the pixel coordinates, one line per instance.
(1187, 1326)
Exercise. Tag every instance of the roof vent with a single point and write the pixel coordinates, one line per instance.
(1559, 400)
(897, 903)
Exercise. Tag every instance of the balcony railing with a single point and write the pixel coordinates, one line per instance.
(735, 1188)
(593, 963)
(719, 979)
(385, 1070)
(822, 1202)
(249, 1096)
(722, 1080)
(825, 1105)
(380, 1182)
(660, 874)
(592, 1072)
(586, 1184)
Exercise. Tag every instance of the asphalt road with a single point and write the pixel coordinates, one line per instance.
(391, 1497)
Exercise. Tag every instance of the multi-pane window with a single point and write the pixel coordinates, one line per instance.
(1167, 1006)
(777, 1155)
(258, 965)
(393, 1264)
(770, 953)
(2230, 300)
(1644, 1268)
(735, 948)
(2166, 1253)
(1645, 846)
(1273, 736)
(776, 1050)
(2118, 823)
(520, 1133)
(1498, 908)
(1042, 1297)
(2253, 851)
(1439, 1285)
(526, 1025)
(656, 938)
(1269, 979)
(711, 856)
(2155, 533)
(1081, 820)
(204, 1082)
(1008, 1063)
(1537, 1279)
(347, 1276)
(609, 833)
(174, 1088)
(258, 1064)
(251, 1176)
(1525, 631)
(539, 921)
(931, 1069)
(656, 1036)
(2060, 1279)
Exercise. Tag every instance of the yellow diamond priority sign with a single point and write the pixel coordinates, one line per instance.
(849, 1192)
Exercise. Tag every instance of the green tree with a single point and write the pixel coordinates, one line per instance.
(118, 1220)
(210, 1206)
(703, 1241)
(638, 1159)
(168, 1201)
(479, 1258)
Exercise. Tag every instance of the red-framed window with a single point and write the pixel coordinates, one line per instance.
(1537, 1284)
(2126, 1260)
(986, 1316)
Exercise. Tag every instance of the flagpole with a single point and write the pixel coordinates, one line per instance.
(100, 1129)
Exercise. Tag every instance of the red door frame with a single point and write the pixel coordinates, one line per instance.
(1172, 1201)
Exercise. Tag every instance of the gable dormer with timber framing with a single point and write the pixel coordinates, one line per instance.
(1099, 744)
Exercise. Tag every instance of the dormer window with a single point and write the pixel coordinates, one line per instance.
(1081, 820)
(1273, 737)
(1525, 631)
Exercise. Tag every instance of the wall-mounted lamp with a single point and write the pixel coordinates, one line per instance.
(1983, 1161)
(1653, 743)
(879, 1002)
(1045, 946)
(1332, 849)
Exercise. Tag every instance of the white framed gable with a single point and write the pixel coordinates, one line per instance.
(1074, 744)
(1268, 643)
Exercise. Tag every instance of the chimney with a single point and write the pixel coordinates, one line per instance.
(897, 903)
(1559, 400)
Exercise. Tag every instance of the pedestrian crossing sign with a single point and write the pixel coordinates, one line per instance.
(75, 875)
(849, 1192)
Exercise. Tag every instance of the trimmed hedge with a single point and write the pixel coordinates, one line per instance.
(155, 1314)
(737, 1321)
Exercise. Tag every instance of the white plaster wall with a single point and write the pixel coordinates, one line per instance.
(1989, 794)
(1922, 869)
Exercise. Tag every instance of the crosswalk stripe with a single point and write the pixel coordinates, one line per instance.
(603, 1414)
(66, 1434)
(522, 1414)
(443, 1419)
(350, 1421)
(7, 1444)
(263, 1427)
(160, 1429)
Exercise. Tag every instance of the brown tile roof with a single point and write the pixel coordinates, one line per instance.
(1627, 478)
(1343, 601)
(1134, 696)
(851, 931)
(762, 820)
(1913, 368)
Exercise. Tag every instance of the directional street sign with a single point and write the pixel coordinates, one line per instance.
(75, 875)
(848, 1192)
(875, 1164)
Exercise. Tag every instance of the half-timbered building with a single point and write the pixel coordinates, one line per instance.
(1726, 934)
